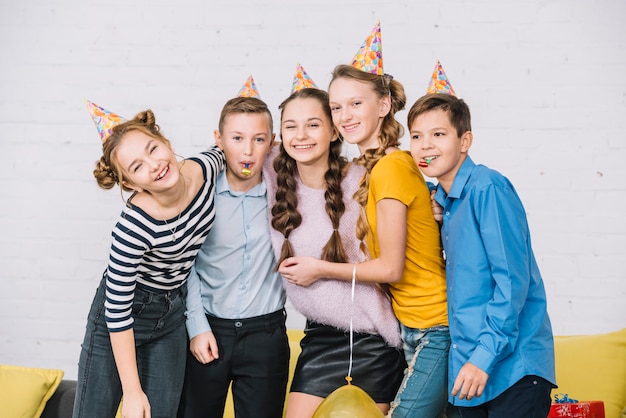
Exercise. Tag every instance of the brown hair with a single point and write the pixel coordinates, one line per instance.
(458, 111)
(389, 136)
(244, 105)
(285, 215)
(107, 171)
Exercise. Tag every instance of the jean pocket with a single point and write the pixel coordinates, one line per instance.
(138, 308)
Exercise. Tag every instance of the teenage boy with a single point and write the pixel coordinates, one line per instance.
(235, 303)
(502, 354)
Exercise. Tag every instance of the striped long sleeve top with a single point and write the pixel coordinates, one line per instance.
(144, 254)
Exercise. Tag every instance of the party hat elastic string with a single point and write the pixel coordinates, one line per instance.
(349, 376)
(349, 400)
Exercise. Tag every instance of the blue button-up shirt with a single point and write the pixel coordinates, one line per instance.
(233, 276)
(496, 297)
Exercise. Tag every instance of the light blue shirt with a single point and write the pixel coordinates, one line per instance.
(496, 297)
(233, 276)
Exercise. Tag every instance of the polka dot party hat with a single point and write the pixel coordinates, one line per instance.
(249, 89)
(439, 82)
(301, 80)
(370, 56)
(104, 119)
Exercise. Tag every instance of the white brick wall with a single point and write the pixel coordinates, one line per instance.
(546, 82)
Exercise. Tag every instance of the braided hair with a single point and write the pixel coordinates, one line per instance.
(389, 136)
(285, 215)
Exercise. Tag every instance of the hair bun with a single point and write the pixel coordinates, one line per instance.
(104, 175)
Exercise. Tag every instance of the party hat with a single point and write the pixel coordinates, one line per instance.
(249, 89)
(370, 56)
(439, 82)
(104, 119)
(301, 80)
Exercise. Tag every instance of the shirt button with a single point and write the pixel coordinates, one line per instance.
(454, 346)
(447, 213)
(238, 324)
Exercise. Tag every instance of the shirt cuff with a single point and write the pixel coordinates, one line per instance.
(197, 325)
(482, 359)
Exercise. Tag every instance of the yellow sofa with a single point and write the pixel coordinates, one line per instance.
(593, 368)
(588, 367)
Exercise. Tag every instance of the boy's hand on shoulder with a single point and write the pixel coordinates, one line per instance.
(204, 347)
(470, 382)
(436, 207)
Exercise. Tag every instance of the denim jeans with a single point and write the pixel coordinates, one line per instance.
(423, 392)
(160, 343)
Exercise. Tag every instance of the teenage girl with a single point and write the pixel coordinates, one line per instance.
(401, 233)
(313, 214)
(135, 340)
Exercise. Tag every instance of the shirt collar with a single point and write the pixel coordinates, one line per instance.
(459, 182)
(461, 178)
(222, 186)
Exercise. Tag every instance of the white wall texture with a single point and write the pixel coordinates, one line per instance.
(546, 82)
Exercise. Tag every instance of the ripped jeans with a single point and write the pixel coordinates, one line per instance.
(423, 392)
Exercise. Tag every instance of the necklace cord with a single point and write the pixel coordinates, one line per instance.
(180, 212)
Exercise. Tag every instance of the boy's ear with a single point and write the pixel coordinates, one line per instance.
(466, 141)
(273, 140)
(218, 139)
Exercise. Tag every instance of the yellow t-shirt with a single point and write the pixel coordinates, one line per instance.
(419, 299)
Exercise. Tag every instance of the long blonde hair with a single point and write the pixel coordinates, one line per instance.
(389, 136)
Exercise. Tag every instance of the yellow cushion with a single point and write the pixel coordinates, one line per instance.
(294, 345)
(593, 368)
(24, 391)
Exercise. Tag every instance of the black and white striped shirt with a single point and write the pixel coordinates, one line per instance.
(144, 253)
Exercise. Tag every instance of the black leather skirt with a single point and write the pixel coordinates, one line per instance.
(325, 359)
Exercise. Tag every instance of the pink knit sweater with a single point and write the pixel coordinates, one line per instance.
(328, 301)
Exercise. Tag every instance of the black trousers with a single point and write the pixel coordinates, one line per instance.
(254, 356)
(528, 398)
